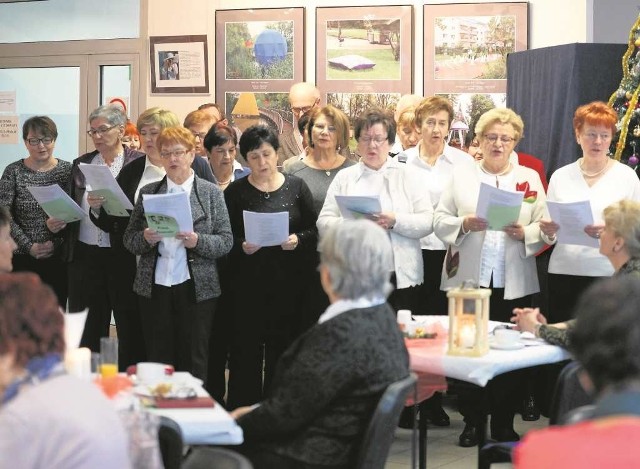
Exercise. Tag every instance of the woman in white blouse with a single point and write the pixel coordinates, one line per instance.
(406, 207)
(502, 258)
(596, 178)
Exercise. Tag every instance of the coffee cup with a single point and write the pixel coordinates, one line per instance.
(150, 372)
(506, 337)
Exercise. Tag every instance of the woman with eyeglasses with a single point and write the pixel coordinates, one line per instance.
(177, 277)
(267, 280)
(594, 177)
(97, 279)
(501, 258)
(406, 206)
(39, 248)
(327, 132)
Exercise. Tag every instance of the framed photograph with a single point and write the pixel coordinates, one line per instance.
(246, 108)
(466, 46)
(179, 64)
(258, 51)
(364, 50)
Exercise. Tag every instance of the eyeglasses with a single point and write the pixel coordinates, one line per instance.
(594, 136)
(375, 140)
(34, 142)
(200, 135)
(302, 110)
(99, 131)
(493, 138)
(177, 153)
(321, 128)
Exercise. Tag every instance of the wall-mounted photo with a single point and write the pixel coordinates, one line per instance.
(179, 64)
(466, 46)
(364, 49)
(259, 50)
(244, 109)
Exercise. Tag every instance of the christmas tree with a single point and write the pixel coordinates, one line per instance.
(625, 102)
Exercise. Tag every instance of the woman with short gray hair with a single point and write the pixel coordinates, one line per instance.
(332, 376)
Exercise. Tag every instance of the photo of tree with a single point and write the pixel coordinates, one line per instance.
(246, 109)
(363, 49)
(468, 107)
(259, 50)
(473, 47)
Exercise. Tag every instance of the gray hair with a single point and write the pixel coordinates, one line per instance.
(112, 114)
(359, 258)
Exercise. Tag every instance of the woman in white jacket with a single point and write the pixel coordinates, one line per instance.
(406, 212)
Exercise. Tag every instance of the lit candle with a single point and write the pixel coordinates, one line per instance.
(78, 362)
(468, 335)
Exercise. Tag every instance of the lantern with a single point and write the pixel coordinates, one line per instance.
(468, 320)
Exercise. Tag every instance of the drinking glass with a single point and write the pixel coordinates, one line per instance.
(108, 356)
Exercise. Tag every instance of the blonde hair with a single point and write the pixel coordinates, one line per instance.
(502, 116)
(623, 217)
(163, 118)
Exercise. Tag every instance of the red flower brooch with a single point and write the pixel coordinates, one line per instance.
(529, 195)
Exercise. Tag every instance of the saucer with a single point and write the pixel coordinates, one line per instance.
(514, 346)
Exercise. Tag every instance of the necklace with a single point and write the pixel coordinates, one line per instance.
(592, 175)
(327, 169)
(498, 174)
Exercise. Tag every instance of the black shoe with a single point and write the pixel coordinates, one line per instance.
(406, 418)
(437, 416)
(530, 411)
(469, 436)
(505, 434)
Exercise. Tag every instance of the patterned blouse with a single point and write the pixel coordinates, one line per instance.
(556, 336)
(29, 220)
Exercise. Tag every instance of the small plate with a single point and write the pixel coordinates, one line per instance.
(514, 346)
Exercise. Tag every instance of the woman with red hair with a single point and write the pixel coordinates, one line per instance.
(598, 179)
(48, 418)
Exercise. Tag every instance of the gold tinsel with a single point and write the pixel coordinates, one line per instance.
(634, 99)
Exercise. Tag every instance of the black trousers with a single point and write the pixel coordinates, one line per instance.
(177, 328)
(52, 271)
(564, 291)
(432, 300)
(403, 298)
(219, 344)
(101, 279)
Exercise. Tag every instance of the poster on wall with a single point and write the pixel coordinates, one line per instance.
(466, 46)
(363, 52)
(259, 55)
(179, 64)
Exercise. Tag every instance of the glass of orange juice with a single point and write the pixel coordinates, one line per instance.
(108, 356)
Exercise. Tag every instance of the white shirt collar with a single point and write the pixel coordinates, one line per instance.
(185, 186)
(341, 306)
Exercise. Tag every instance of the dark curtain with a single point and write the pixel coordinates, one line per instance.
(545, 86)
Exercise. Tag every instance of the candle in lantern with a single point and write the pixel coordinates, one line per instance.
(468, 335)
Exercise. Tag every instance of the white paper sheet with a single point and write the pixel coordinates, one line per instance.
(498, 206)
(353, 207)
(572, 218)
(174, 206)
(101, 182)
(266, 229)
(56, 203)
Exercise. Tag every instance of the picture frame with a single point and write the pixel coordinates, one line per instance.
(364, 50)
(259, 55)
(179, 64)
(466, 45)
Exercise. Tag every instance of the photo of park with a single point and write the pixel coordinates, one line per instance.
(246, 109)
(468, 107)
(473, 47)
(363, 49)
(259, 50)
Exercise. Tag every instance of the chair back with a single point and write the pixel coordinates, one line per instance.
(568, 394)
(218, 458)
(379, 435)
(171, 444)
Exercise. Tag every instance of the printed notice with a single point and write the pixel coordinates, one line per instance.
(8, 101)
(9, 130)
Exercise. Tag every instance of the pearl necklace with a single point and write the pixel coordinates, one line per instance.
(593, 175)
(498, 174)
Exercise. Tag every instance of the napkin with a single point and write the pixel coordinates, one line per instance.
(74, 327)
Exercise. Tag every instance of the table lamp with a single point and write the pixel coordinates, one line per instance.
(468, 320)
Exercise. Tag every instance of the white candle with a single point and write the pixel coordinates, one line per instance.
(78, 362)
(468, 335)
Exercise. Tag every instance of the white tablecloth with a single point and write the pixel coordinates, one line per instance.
(478, 370)
(202, 426)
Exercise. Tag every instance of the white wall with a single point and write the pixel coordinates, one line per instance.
(551, 22)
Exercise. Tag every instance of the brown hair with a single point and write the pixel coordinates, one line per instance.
(338, 118)
(431, 105)
(199, 117)
(31, 323)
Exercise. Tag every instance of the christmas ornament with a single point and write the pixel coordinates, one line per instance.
(633, 160)
(636, 131)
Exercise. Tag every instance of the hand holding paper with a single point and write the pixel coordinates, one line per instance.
(499, 207)
(573, 218)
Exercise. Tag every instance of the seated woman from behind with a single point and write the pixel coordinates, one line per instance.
(619, 242)
(328, 382)
(48, 419)
(605, 341)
